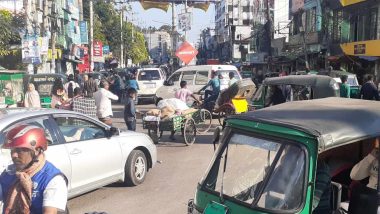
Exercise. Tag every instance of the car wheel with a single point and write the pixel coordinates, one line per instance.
(135, 168)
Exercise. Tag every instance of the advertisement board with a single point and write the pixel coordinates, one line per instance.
(98, 51)
(30, 50)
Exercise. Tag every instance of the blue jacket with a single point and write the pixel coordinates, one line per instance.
(40, 180)
(133, 84)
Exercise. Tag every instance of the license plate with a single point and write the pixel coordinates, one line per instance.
(150, 85)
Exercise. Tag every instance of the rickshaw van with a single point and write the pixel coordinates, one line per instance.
(269, 160)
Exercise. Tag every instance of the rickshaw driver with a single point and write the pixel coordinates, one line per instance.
(211, 96)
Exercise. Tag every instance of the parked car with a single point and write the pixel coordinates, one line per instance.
(149, 80)
(266, 161)
(298, 87)
(98, 156)
(43, 84)
(196, 77)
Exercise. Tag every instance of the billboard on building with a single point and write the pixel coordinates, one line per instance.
(98, 51)
(83, 32)
(297, 5)
(30, 50)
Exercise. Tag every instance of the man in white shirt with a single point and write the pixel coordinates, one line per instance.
(47, 185)
(103, 103)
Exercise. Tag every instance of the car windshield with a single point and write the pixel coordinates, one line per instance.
(259, 172)
(149, 75)
(225, 74)
(352, 81)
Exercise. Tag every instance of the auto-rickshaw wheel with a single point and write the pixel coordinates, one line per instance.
(189, 131)
(224, 114)
(153, 134)
(204, 123)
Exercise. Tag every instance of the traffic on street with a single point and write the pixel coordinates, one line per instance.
(189, 106)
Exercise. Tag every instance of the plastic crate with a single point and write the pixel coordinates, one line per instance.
(174, 124)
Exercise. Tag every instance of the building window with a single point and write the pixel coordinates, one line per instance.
(245, 8)
(337, 25)
(311, 20)
(229, 8)
(373, 24)
(246, 22)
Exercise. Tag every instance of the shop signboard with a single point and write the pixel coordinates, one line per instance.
(98, 51)
(83, 32)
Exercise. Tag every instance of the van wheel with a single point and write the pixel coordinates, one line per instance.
(135, 168)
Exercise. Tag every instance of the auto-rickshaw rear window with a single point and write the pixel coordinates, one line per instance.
(259, 173)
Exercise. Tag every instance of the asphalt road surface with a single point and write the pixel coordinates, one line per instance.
(168, 186)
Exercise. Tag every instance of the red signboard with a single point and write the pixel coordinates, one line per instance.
(186, 52)
(98, 49)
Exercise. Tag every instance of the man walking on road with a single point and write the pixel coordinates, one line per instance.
(103, 103)
(369, 90)
(31, 184)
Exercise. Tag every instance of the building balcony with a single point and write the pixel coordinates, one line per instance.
(362, 48)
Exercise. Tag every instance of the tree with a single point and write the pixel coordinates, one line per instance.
(9, 27)
(107, 29)
(166, 28)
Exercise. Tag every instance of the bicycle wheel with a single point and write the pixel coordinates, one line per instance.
(204, 120)
(189, 132)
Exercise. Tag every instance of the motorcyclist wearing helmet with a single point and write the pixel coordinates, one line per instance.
(32, 184)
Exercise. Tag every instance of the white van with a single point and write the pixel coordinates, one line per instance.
(149, 80)
(196, 77)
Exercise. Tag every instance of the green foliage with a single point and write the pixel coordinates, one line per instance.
(9, 27)
(107, 29)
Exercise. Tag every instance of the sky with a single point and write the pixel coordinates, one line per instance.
(156, 18)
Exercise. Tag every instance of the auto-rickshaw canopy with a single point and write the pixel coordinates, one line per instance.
(334, 121)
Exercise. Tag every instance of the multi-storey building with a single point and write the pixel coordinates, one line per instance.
(159, 46)
(233, 25)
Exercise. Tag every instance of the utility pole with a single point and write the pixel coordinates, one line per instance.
(121, 39)
(303, 31)
(90, 52)
(186, 15)
(53, 50)
(270, 32)
(174, 37)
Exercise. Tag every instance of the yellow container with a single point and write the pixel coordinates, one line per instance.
(240, 104)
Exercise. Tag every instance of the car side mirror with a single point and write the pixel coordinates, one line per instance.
(216, 136)
(168, 83)
(113, 131)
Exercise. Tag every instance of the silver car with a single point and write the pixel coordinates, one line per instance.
(90, 153)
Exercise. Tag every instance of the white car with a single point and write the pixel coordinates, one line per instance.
(196, 77)
(149, 80)
(98, 156)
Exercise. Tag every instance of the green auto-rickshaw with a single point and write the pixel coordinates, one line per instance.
(11, 88)
(44, 84)
(295, 88)
(266, 161)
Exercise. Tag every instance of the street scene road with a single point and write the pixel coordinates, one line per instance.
(168, 186)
